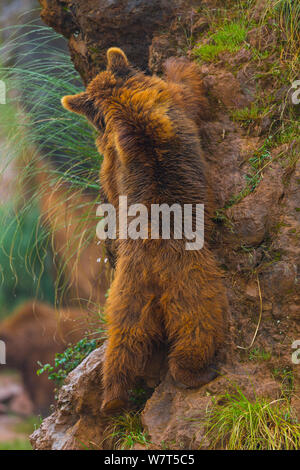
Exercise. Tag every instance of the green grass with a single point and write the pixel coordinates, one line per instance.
(28, 425)
(286, 377)
(34, 116)
(18, 444)
(237, 423)
(287, 16)
(249, 114)
(25, 264)
(35, 127)
(229, 37)
(125, 431)
(258, 162)
(259, 355)
(288, 132)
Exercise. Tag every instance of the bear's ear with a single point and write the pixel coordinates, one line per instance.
(117, 61)
(80, 104)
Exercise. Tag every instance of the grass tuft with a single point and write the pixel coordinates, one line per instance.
(125, 431)
(25, 265)
(240, 424)
(229, 38)
(35, 128)
(258, 162)
(259, 355)
(288, 15)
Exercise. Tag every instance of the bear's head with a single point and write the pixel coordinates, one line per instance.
(123, 103)
(142, 121)
(123, 94)
(92, 103)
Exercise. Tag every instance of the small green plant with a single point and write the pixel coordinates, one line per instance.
(229, 38)
(261, 158)
(67, 361)
(260, 355)
(139, 395)
(240, 424)
(286, 377)
(125, 431)
(220, 217)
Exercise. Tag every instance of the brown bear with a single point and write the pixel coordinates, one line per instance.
(35, 332)
(162, 293)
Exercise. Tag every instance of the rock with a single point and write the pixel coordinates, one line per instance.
(252, 290)
(77, 421)
(93, 26)
(173, 417)
(279, 278)
(176, 418)
(256, 213)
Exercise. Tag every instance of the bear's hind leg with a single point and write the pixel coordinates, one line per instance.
(127, 352)
(195, 331)
(133, 326)
(191, 360)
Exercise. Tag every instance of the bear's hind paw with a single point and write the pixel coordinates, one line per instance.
(113, 406)
(187, 379)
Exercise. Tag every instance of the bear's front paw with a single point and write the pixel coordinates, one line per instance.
(193, 379)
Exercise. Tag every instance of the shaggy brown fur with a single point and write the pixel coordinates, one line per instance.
(149, 136)
(35, 332)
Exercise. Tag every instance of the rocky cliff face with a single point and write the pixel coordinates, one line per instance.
(91, 27)
(256, 236)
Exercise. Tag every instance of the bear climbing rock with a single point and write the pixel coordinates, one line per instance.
(148, 132)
